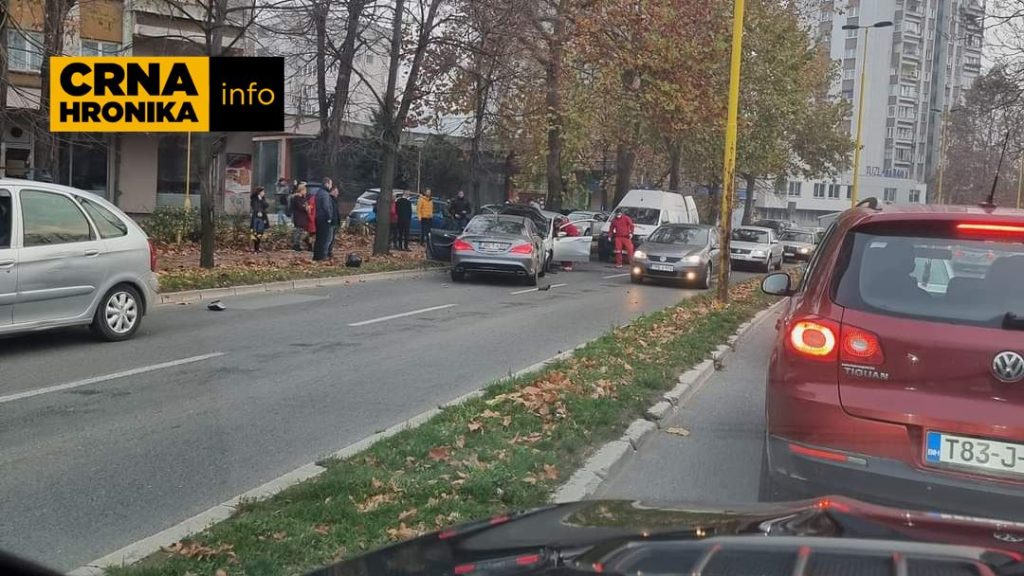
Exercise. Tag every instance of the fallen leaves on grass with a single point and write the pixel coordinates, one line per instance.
(439, 454)
(405, 515)
(197, 551)
(543, 397)
(476, 426)
(490, 414)
(403, 532)
(531, 438)
(322, 529)
(550, 472)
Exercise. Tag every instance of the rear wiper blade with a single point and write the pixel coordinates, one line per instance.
(1012, 321)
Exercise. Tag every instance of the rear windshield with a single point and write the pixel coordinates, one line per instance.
(748, 235)
(807, 237)
(495, 226)
(934, 275)
(643, 216)
(680, 235)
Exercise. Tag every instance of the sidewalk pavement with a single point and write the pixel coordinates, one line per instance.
(719, 461)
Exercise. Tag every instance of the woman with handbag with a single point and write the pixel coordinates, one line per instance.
(258, 219)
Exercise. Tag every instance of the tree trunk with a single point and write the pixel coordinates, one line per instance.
(510, 170)
(748, 203)
(625, 160)
(675, 165)
(388, 163)
(45, 157)
(210, 157)
(553, 100)
(330, 132)
(4, 9)
(713, 203)
(483, 88)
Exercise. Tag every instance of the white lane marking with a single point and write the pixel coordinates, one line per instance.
(402, 315)
(114, 376)
(616, 276)
(536, 289)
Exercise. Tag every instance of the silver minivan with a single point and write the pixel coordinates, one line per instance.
(68, 258)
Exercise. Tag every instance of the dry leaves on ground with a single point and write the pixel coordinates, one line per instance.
(677, 431)
(403, 532)
(197, 551)
(439, 454)
(405, 515)
(550, 472)
(543, 397)
(322, 529)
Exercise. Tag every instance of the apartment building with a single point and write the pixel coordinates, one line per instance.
(914, 70)
(138, 171)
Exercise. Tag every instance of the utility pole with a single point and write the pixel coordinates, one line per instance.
(729, 165)
(860, 103)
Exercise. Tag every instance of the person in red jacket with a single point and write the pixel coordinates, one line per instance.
(570, 229)
(620, 230)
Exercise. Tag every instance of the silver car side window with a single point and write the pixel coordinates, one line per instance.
(108, 225)
(49, 218)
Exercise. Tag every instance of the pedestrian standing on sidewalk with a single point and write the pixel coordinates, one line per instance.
(570, 229)
(283, 194)
(335, 194)
(403, 208)
(620, 230)
(311, 216)
(258, 219)
(300, 217)
(425, 212)
(323, 217)
(393, 218)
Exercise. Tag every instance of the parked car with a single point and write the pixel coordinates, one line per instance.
(680, 252)
(798, 244)
(68, 258)
(590, 221)
(499, 244)
(649, 209)
(365, 215)
(895, 377)
(779, 226)
(754, 245)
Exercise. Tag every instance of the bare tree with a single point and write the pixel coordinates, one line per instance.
(394, 103)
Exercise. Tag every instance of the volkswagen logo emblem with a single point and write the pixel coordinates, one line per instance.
(1008, 367)
(663, 258)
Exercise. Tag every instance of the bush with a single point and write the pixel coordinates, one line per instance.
(169, 223)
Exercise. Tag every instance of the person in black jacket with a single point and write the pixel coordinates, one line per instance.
(324, 223)
(461, 210)
(335, 193)
(258, 219)
(403, 208)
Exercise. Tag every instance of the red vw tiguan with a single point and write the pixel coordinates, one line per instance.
(898, 373)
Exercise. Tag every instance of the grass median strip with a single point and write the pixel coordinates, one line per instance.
(504, 451)
(242, 275)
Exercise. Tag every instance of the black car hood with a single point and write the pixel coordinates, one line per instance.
(563, 538)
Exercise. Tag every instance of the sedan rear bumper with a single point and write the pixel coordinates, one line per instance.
(493, 265)
(801, 471)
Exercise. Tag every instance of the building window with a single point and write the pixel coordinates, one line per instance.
(794, 188)
(851, 52)
(25, 51)
(849, 74)
(852, 33)
(833, 190)
(849, 192)
(170, 165)
(853, 11)
(819, 190)
(98, 48)
(915, 196)
(889, 194)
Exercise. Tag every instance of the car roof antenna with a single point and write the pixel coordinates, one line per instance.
(990, 203)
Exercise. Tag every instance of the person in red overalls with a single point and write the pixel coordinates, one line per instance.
(620, 230)
(570, 229)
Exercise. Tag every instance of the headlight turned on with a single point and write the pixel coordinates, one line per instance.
(694, 259)
(639, 255)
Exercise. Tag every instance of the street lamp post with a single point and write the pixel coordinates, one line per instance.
(942, 149)
(860, 103)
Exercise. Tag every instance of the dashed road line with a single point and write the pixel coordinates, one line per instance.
(402, 315)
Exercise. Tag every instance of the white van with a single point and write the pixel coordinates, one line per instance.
(652, 208)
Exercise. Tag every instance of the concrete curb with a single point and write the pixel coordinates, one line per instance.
(189, 296)
(142, 548)
(613, 455)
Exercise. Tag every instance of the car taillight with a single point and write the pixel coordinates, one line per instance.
(522, 249)
(462, 246)
(860, 346)
(814, 339)
(152, 257)
(996, 228)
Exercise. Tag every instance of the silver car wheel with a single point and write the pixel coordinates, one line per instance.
(122, 311)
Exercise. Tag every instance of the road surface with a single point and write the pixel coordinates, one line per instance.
(104, 444)
(719, 462)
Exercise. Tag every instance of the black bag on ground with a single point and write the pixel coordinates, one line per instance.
(353, 261)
